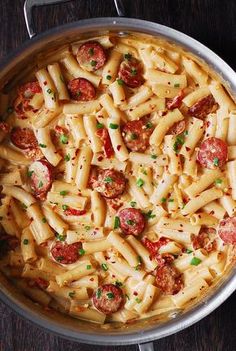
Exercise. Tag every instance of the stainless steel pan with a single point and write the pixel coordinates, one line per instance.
(141, 332)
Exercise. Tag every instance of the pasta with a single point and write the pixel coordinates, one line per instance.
(118, 173)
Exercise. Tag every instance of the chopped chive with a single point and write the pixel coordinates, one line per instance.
(78, 93)
(149, 125)
(127, 56)
(127, 296)
(23, 206)
(117, 283)
(133, 203)
(100, 125)
(64, 139)
(60, 237)
(40, 184)
(29, 173)
(59, 258)
(138, 300)
(154, 156)
(216, 161)
(110, 295)
(71, 294)
(113, 126)
(133, 71)
(91, 51)
(67, 157)
(104, 267)
(87, 227)
(186, 132)
(44, 220)
(149, 215)
(163, 200)
(108, 77)
(42, 145)
(218, 181)
(65, 207)
(116, 222)
(120, 81)
(179, 141)
(140, 182)
(176, 85)
(81, 252)
(195, 261)
(63, 192)
(144, 171)
(130, 222)
(133, 136)
(171, 200)
(108, 180)
(93, 63)
(49, 91)
(25, 241)
(88, 266)
(188, 251)
(98, 293)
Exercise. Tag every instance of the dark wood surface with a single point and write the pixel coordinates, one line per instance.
(212, 22)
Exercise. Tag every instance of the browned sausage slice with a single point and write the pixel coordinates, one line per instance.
(213, 153)
(169, 279)
(41, 177)
(108, 298)
(205, 239)
(176, 101)
(81, 89)
(28, 90)
(227, 230)
(136, 134)
(203, 107)
(109, 182)
(65, 253)
(177, 128)
(91, 56)
(132, 221)
(23, 138)
(130, 72)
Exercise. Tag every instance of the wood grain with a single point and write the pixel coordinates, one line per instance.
(212, 22)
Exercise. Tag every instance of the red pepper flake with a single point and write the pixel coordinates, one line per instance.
(118, 147)
(100, 158)
(74, 212)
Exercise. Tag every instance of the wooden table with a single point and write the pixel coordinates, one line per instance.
(213, 23)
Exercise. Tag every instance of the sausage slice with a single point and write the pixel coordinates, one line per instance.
(109, 182)
(65, 253)
(81, 89)
(108, 298)
(132, 221)
(213, 153)
(91, 56)
(136, 134)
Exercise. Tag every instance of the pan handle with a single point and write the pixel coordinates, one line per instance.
(30, 4)
(146, 347)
